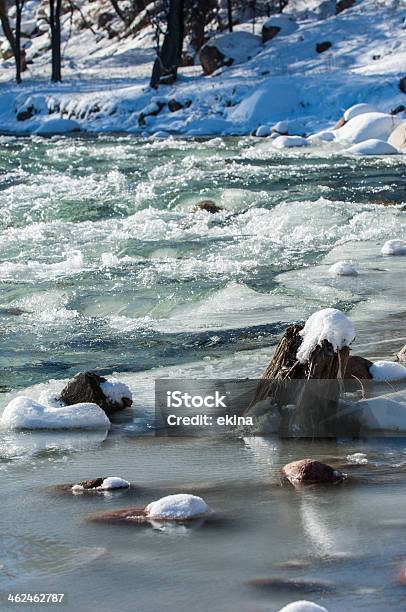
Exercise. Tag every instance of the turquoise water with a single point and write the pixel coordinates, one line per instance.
(103, 265)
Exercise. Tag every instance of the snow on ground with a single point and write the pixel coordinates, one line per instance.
(105, 85)
(328, 324)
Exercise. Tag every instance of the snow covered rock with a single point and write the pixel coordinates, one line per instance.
(52, 127)
(114, 482)
(357, 459)
(322, 136)
(278, 24)
(373, 146)
(357, 109)
(366, 126)
(387, 371)
(303, 606)
(178, 507)
(281, 128)
(343, 268)
(394, 247)
(25, 413)
(398, 137)
(228, 49)
(310, 471)
(328, 324)
(287, 142)
(263, 131)
(111, 395)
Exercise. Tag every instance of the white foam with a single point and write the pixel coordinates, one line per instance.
(357, 458)
(394, 247)
(25, 413)
(178, 507)
(387, 371)
(343, 268)
(328, 324)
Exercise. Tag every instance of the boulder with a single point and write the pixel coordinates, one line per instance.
(104, 18)
(398, 137)
(366, 126)
(402, 84)
(87, 387)
(358, 367)
(343, 5)
(373, 146)
(207, 205)
(278, 24)
(174, 105)
(323, 46)
(228, 49)
(310, 471)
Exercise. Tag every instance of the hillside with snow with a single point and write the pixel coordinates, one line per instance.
(295, 76)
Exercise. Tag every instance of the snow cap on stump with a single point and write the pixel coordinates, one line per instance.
(328, 324)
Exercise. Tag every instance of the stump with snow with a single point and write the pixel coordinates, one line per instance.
(303, 378)
(111, 396)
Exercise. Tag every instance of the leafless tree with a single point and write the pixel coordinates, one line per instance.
(169, 56)
(55, 23)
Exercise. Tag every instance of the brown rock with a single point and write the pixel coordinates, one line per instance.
(358, 367)
(269, 32)
(85, 387)
(174, 105)
(343, 5)
(309, 471)
(339, 123)
(212, 58)
(104, 18)
(402, 84)
(207, 205)
(323, 46)
(91, 483)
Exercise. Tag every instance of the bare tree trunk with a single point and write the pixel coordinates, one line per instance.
(118, 10)
(166, 64)
(55, 22)
(14, 39)
(200, 9)
(230, 15)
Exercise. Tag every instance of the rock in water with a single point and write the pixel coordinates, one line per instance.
(309, 471)
(358, 367)
(402, 355)
(303, 606)
(90, 387)
(207, 205)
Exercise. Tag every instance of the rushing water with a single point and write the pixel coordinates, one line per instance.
(105, 266)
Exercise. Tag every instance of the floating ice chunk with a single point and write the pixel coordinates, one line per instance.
(373, 146)
(343, 268)
(263, 131)
(394, 247)
(323, 136)
(328, 324)
(178, 507)
(358, 109)
(357, 458)
(113, 482)
(25, 413)
(366, 126)
(57, 126)
(286, 142)
(115, 390)
(387, 371)
(303, 606)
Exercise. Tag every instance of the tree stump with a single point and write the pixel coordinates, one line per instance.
(306, 394)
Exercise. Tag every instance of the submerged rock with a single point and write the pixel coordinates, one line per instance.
(279, 584)
(100, 484)
(111, 396)
(310, 471)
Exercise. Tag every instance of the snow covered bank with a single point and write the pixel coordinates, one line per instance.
(106, 78)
